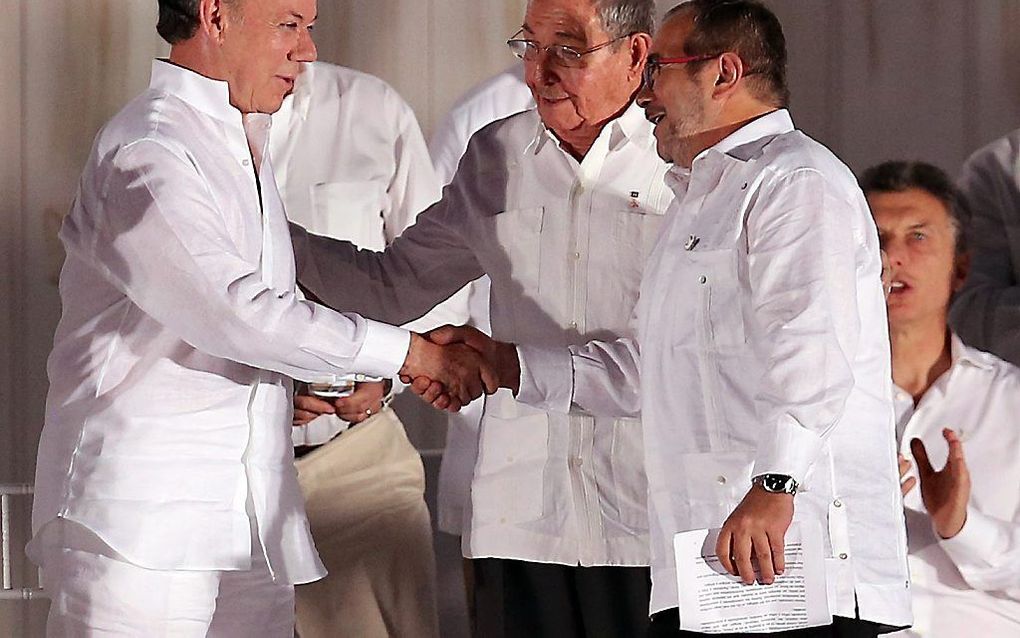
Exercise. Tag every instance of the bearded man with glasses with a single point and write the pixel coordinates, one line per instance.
(560, 206)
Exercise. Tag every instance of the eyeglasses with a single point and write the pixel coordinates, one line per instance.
(654, 64)
(559, 54)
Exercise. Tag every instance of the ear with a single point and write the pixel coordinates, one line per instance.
(640, 44)
(212, 19)
(730, 72)
(961, 268)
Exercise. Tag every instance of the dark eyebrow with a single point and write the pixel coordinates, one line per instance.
(301, 17)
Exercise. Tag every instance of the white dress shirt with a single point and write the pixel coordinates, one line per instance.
(968, 585)
(764, 349)
(986, 313)
(169, 404)
(498, 97)
(351, 163)
(564, 244)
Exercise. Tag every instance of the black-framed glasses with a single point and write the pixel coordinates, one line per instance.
(559, 54)
(655, 63)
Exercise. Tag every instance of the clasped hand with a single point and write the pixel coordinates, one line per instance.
(453, 365)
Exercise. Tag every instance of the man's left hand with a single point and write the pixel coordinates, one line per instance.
(756, 530)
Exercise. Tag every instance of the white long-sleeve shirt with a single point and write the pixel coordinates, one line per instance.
(986, 312)
(968, 585)
(351, 163)
(763, 349)
(564, 244)
(494, 99)
(169, 404)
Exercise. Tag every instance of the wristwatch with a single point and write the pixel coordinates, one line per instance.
(776, 483)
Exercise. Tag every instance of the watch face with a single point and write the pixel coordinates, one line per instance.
(778, 483)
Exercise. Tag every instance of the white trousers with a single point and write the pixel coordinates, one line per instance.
(94, 591)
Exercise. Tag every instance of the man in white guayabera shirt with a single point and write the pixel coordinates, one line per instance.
(956, 410)
(166, 498)
(762, 374)
(559, 206)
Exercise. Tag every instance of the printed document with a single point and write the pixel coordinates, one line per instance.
(712, 601)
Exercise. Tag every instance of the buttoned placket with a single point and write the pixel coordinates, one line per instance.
(582, 428)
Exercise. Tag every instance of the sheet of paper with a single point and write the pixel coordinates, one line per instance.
(713, 602)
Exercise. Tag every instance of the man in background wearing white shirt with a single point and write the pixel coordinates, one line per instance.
(963, 520)
(559, 206)
(166, 497)
(351, 163)
(761, 363)
(500, 96)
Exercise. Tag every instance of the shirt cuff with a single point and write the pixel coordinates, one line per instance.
(787, 448)
(547, 378)
(383, 351)
(975, 540)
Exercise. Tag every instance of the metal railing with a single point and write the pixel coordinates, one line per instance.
(8, 592)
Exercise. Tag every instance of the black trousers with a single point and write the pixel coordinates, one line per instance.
(538, 600)
(665, 624)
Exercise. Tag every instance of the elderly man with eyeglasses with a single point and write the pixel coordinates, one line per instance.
(560, 207)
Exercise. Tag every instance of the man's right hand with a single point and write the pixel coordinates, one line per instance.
(307, 408)
(461, 372)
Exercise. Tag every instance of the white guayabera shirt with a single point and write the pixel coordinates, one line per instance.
(494, 99)
(763, 348)
(169, 403)
(564, 244)
(968, 585)
(351, 163)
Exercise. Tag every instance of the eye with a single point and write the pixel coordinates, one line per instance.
(918, 235)
(289, 25)
(311, 27)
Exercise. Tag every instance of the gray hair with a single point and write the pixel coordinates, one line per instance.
(624, 17)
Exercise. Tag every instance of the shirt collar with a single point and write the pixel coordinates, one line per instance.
(961, 353)
(627, 126)
(742, 144)
(209, 96)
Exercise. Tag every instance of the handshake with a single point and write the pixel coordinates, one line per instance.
(453, 365)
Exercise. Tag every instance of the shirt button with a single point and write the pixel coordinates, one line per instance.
(576, 461)
(509, 459)
(577, 255)
(721, 479)
(245, 162)
(837, 503)
(573, 324)
(843, 556)
(703, 279)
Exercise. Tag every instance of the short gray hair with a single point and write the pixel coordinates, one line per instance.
(624, 17)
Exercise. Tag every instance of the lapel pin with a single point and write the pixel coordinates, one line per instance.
(692, 241)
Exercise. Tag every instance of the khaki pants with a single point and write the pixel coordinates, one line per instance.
(364, 492)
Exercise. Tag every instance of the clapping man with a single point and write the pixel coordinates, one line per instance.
(955, 417)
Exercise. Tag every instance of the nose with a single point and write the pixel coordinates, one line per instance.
(894, 250)
(540, 71)
(305, 50)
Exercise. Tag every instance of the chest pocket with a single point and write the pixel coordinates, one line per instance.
(519, 236)
(719, 321)
(350, 210)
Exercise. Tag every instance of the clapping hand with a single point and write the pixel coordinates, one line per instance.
(946, 492)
